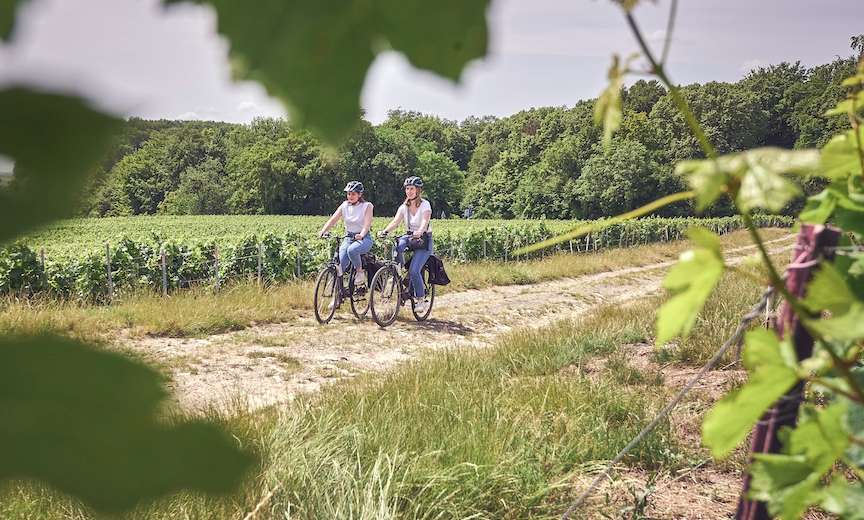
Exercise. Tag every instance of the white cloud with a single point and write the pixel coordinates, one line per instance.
(246, 106)
(188, 116)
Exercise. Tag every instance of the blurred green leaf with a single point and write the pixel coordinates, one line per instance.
(848, 106)
(691, 281)
(848, 326)
(8, 9)
(787, 483)
(844, 499)
(840, 157)
(855, 422)
(828, 291)
(790, 482)
(607, 108)
(853, 81)
(87, 422)
(819, 208)
(55, 141)
(773, 371)
(314, 54)
(706, 179)
(759, 172)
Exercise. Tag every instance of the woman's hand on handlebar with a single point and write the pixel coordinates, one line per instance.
(383, 234)
(324, 234)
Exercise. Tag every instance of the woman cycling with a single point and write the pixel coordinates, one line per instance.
(416, 213)
(356, 213)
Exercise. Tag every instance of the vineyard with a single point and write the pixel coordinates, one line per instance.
(71, 259)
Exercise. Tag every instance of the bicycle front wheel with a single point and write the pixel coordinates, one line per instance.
(385, 298)
(325, 295)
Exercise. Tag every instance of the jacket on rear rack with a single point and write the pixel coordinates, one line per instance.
(437, 274)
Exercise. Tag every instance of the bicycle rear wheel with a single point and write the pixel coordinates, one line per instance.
(385, 298)
(429, 298)
(326, 295)
(359, 299)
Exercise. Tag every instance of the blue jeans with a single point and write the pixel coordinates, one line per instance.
(350, 251)
(417, 263)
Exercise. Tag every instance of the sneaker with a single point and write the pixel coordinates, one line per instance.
(331, 304)
(360, 279)
(421, 307)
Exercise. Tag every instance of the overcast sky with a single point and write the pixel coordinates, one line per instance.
(135, 58)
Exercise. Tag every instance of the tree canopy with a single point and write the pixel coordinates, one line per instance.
(540, 162)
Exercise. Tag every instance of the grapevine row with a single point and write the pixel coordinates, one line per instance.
(137, 264)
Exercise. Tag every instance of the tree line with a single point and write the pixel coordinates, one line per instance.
(542, 162)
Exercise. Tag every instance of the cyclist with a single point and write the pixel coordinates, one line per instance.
(356, 213)
(416, 213)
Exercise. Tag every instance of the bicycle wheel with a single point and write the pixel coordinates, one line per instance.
(359, 299)
(325, 295)
(429, 298)
(385, 298)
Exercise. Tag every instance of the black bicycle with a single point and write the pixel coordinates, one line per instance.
(331, 289)
(390, 289)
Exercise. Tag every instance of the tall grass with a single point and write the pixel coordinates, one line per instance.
(483, 434)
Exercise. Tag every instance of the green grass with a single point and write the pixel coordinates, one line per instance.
(498, 433)
(495, 434)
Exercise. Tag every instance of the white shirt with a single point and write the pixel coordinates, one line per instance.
(353, 215)
(413, 222)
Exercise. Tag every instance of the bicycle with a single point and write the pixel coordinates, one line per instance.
(331, 290)
(385, 299)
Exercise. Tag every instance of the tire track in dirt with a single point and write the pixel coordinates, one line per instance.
(272, 363)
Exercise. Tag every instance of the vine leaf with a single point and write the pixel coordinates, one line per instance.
(848, 106)
(691, 281)
(844, 499)
(54, 140)
(314, 54)
(848, 326)
(840, 156)
(86, 422)
(819, 208)
(759, 173)
(829, 291)
(790, 482)
(772, 365)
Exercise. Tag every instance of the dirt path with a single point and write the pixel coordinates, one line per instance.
(272, 363)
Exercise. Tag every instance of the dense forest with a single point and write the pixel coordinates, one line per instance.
(541, 162)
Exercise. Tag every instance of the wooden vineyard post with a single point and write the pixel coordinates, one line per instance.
(260, 263)
(217, 282)
(163, 261)
(108, 271)
(42, 261)
(814, 243)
